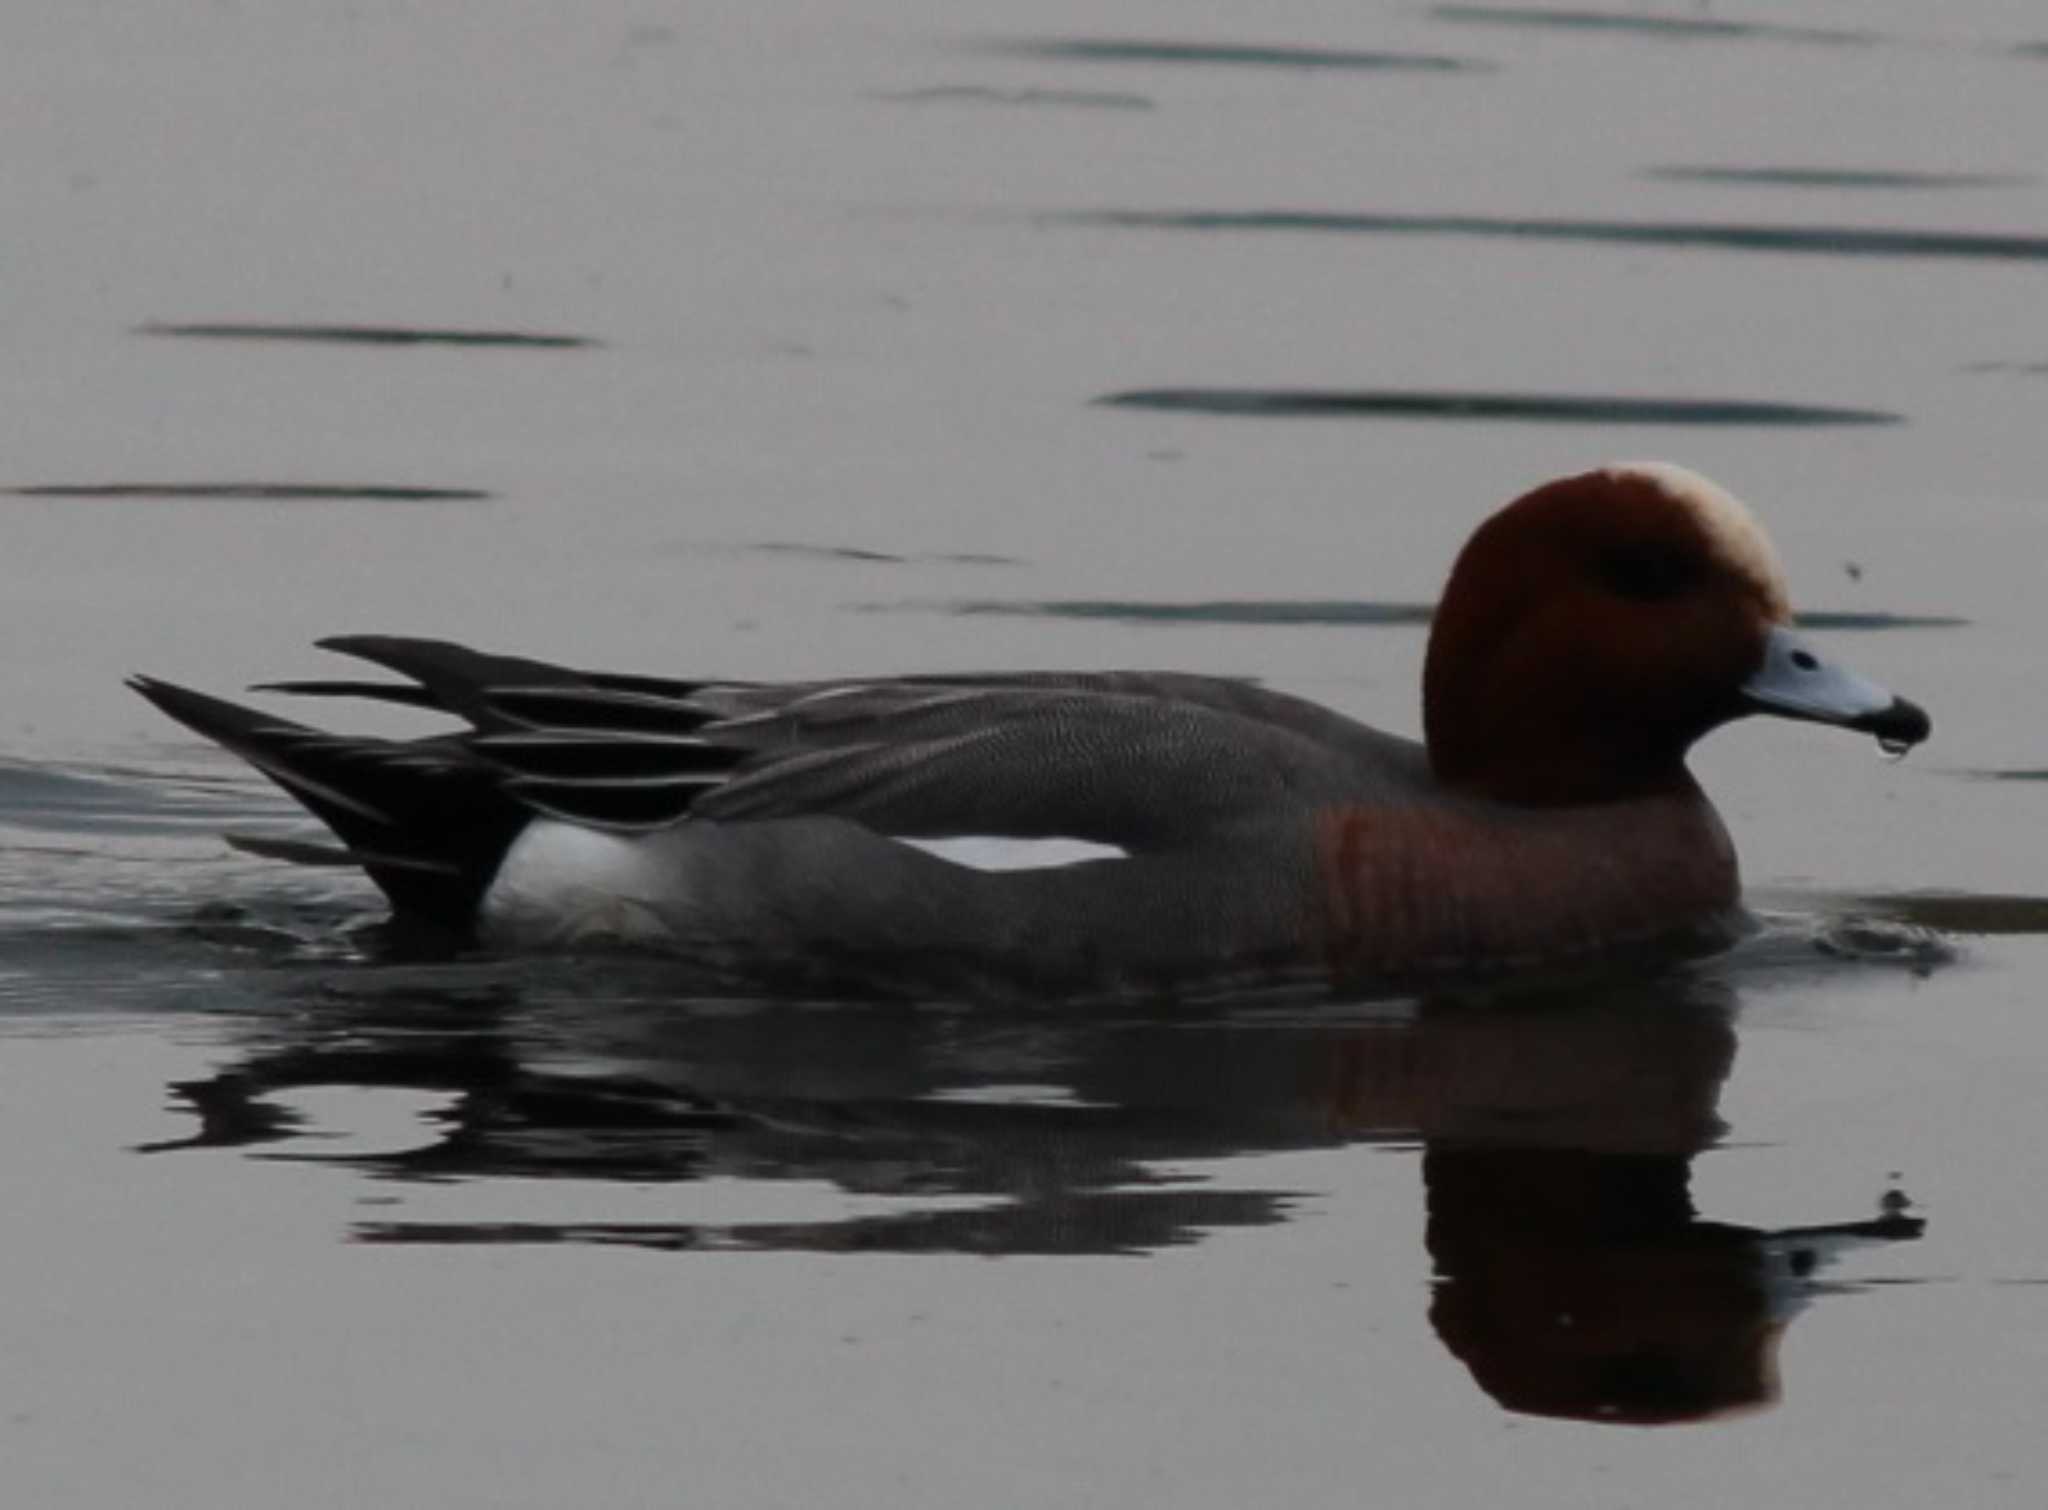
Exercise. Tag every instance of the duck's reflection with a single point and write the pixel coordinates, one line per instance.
(1572, 1275)
(1583, 1284)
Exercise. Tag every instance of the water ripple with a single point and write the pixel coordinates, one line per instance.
(262, 492)
(981, 94)
(1836, 178)
(1323, 612)
(859, 555)
(1539, 408)
(1736, 236)
(1663, 28)
(1148, 50)
(363, 335)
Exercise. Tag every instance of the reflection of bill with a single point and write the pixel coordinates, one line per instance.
(1583, 1285)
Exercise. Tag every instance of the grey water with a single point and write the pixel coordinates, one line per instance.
(798, 341)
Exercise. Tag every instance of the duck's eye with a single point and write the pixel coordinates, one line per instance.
(1650, 573)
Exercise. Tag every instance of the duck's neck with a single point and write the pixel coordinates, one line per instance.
(1587, 763)
(1470, 885)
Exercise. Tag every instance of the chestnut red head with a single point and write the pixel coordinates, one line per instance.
(1594, 628)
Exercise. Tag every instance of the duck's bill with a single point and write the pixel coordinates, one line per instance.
(1797, 681)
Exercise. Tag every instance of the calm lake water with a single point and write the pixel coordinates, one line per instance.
(806, 339)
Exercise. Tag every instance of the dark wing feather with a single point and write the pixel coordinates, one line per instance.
(597, 711)
(815, 707)
(1131, 758)
(1034, 763)
(909, 760)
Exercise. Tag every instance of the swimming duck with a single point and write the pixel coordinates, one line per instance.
(1104, 832)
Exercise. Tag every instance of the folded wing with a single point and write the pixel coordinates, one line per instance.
(1142, 761)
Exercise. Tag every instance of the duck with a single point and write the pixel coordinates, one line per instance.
(1106, 833)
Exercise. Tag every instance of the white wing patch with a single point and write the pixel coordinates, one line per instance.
(981, 852)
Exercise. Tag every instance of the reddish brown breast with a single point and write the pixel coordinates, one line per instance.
(1458, 887)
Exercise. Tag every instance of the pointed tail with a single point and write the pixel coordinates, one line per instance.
(425, 818)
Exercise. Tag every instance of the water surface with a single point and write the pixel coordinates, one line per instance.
(677, 345)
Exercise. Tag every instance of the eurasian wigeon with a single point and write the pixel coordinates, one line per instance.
(1101, 832)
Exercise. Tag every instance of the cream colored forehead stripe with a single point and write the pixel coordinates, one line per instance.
(1726, 521)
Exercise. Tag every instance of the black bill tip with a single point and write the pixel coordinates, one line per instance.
(1898, 727)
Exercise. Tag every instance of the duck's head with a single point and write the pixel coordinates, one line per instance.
(1595, 627)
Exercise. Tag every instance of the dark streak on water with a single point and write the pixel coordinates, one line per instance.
(1102, 1223)
(1546, 408)
(863, 556)
(365, 335)
(270, 492)
(1734, 236)
(1850, 619)
(1671, 28)
(1980, 914)
(1146, 50)
(978, 94)
(2021, 369)
(1247, 611)
(1329, 612)
(1837, 178)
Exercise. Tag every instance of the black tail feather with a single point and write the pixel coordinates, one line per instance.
(427, 820)
(430, 819)
(453, 677)
(406, 694)
(587, 757)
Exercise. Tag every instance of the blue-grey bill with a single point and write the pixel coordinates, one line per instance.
(1797, 681)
